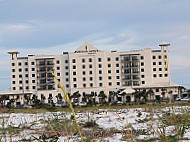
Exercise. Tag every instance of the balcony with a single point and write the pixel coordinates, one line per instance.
(41, 76)
(126, 79)
(44, 70)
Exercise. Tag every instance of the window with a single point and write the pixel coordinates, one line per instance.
(154, 63)
(100, 84)
(20, 70)
(142, 57)
(66, 61)
(154, 75)
(26, 81)
(100, 72)
(33, 69)
(159, 57)
(84, 85)
(90, 66)
(142, 70)
(75, 85)
(13, 70)
(13, 82)
(91, 84)
(66, 67)
(90, 59)
(90, 78)
(27, 87)
(154, 69)
(142, 76)
(90, 72)
(20, 76)
(33, 87)
(58, 74)
(26, 69)
(33, 81)
(84, 79)
(143, 82)
(142, 63)
(66, 73)
(108, 59)
(58, 68)
(13, 76)
(74, 73)
(165, 56)
(157, 90)
(118, 83)
(110, 83)
(83, 66)
(117, 58)
(153, 57)
(13, 64)
(83, 60)
(160, 75)
(74, 79)
(109, 65)
(109, 71)
(99, 59)
(74, 61)
(32, 63)
(83, 72)
(74, 67)
(117, 71)
(57, 61)
(26, 63)
(19, 64)
(67, 85)
(117, 65)
(160, 63)
(20, 88)
(33, 75)
(117, 77)
(67, 79)
(100, 65)
(14, 88)
(160, 69)
(166, 75)
(109, 77)
(100, 78)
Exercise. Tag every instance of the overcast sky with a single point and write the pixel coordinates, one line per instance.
(53, 26)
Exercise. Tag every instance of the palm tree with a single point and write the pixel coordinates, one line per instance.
(122, 95)
(170, 95)
(59, 98)
(76, 95)
(150, 92)
(102, 96)
(113, 95)
(35, 100)
(2, 100)
(139, 94)
(163, 92)
(144, 94)
(43, 98)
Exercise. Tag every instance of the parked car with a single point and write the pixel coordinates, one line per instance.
(119, 103)
(82, 104)
(178, 99)
(58, 105)
(3, 107)
(185, 99)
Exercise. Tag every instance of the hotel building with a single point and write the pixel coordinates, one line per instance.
(90, 70)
